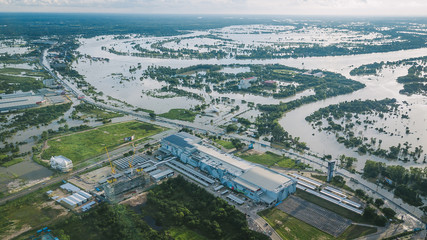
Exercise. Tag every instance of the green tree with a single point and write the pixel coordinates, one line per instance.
(379, 202)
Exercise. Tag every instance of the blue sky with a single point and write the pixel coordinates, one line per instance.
(277, 7)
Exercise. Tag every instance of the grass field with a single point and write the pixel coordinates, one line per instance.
(225, 144)
(272, 159)
(180, 114)
(12, 162)
(87, 144)
(91, 111)
(182, 233)
(22, 71)
(27, 211)
(284, 72)
(290, 228)
(355, 231)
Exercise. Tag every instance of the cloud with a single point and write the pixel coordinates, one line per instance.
(295, 7)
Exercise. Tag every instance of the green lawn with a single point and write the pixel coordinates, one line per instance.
(182, 233)
(180, 114)
(225, 144)
(290, 228)
(91, 111)
(272, 159)
(12, 162)
(88, 144)
(355, 231)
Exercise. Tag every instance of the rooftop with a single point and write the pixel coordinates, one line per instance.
(265, 178)
(224, 159)
(183, 140)
(61, 159)
(16, 102)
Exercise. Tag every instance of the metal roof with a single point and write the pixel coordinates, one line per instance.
(266, 179)
(235, 199)
(19, 102)
(69, 201)
(70, 187)
(75, 199)
(85, 194)
(61, 160)
(150, 169)
(183, 140)
(152, 173)
(246, 185)
(232, 164)
(79, 197)
(123, 163)
(162, 174)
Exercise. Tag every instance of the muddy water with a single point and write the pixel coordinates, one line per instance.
(378, 87)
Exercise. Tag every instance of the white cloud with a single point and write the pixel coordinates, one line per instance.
(293, 7)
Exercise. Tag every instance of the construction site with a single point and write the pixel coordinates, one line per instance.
(123, 177)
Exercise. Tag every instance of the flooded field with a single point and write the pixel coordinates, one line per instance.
(132, 90)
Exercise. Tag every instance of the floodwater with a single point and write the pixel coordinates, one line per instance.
(28, 170)
(378, 87)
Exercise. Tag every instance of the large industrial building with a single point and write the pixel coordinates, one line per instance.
(18, 101)
(255, 181)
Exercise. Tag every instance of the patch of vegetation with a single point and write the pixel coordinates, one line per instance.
(271, 159)
(84, 145)
(26, 210)
(413, 82)
(290, 228)
(12, 162)
(331, 84)
(226, 144)
(11, 84)
(337, 181)
(367, 69)
(94, 112)
(33, 117)
(178, 203)
(180, 114)
(143, 110)
(356, 231)
(339, 118)
(182, 233)
(340, 110)
(106, 222)
(407, 183)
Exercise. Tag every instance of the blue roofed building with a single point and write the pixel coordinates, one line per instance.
(259, 183)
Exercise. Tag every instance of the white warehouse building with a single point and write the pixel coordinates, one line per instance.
(61, 163)
(257, 182)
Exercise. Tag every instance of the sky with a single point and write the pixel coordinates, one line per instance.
(274, 7)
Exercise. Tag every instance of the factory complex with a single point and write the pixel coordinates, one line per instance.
(23, 100)
(255, 181)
